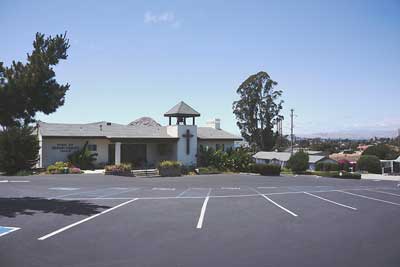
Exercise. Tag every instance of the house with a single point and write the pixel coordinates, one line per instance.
(391, 166)
(282, 158)
(352, 157)
(143, 143)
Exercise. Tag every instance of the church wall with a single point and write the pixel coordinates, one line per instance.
(181, 155)
(58, 149)
(213, 143)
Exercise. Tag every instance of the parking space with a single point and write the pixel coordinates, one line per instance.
(247, 220)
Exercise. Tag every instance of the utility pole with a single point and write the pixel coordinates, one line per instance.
(291, 130)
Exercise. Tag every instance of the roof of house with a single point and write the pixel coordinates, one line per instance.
(104, 129)
(212, 133)
(284, 156)
(183, 110)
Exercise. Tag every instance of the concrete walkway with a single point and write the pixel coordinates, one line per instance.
(371, 176)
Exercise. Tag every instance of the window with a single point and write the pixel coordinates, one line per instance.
(92, 147)
(217, 146)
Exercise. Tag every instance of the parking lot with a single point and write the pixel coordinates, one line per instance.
(213, 220)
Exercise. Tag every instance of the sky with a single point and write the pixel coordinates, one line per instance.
(337, 62)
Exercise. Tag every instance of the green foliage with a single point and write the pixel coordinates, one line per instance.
(382, 151)
(83, 158)
(298, 162)
(185, 170)
(327, 166)
(26, 89)
(370, 164)
(118, 168)
(258, 110)
(237, 160)
(58, 168)
(208, 170)
(268, 169)
(19, 149)
(170, 168)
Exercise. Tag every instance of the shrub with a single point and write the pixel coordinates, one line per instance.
(237, 160)
(327, 166)
(58, 168)
(208, 170)
(370, 164)
(19, 149)
(75, 170)
(185, 170)
(170, 168)
(298, 162)
(339, 174)
(118, 168)
(268, 169)
(83, 158)
(382, 151)
(344, 165)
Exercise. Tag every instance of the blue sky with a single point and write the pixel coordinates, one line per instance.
(337, 62)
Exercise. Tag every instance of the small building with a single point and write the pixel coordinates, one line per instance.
(282, 158)
(391, 166)
(143, 143)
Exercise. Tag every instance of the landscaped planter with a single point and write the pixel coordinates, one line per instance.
(170, 172)
(119, 169)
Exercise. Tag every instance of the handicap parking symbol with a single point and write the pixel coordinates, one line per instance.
(6, 230)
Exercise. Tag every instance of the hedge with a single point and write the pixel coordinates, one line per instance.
(326, 166)
(267, 169)
(208, 170)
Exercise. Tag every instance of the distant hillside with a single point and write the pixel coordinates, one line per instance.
(353, 134)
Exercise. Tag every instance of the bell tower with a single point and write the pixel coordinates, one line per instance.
(186, 149)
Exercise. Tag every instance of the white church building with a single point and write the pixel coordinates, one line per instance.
(143, 143)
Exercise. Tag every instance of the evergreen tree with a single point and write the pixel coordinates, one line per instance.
(258, 110)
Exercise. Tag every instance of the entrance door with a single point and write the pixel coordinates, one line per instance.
(134, 154)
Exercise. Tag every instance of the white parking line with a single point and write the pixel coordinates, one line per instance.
(230, 188)
(84, 220)
(273, 202)
(383, 192)
(64, 188)
(376, 199)
(203, 210)
(10, 229)
(84, 192)
(333, 202)
(182, 193)
(163, 189)
(116, 193)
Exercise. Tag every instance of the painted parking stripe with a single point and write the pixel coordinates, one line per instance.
(163, 188)
(6, 230)
(273, 202)
(372, 198)
(82, 192)
(230, 188)
(203, 210)
(64, 188)
(14, 181)
(183, 192)
(117, 193)
(383, 192)
(330, 201)
(84, 220)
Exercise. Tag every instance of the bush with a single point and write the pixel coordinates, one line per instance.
(19, 149)
(344, 165)
(83, 158)
(327, 166)
(237, 160)
(75, 170)
(185, 170)
(170, 168)
(370, 164)
(208, 170)
(268, 169)
(118, 168)
(298, 162)
(382, 151)
(58, 168)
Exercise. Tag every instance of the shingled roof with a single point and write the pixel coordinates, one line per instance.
(182, 110)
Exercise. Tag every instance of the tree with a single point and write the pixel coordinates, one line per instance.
(258, 110)
(26, 89)
(382, 151)
(18, 149)
(370, 164)
(298, 162)
(83, 158)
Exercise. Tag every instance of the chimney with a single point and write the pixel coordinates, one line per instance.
(216, 124)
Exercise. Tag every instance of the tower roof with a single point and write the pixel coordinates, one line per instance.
(182, 110)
